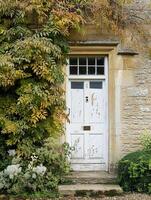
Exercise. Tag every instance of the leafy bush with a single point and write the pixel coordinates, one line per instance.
(146, 140)
(33, 52)
(41, 173)
(134, 172)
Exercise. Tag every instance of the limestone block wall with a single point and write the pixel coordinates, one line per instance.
(129, 93)
(135, 105)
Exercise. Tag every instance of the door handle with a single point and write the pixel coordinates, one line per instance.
(86, 98)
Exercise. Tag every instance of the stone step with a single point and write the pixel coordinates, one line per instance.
(90, 190)
(95, 177)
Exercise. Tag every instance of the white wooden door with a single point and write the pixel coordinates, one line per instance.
(87, 133)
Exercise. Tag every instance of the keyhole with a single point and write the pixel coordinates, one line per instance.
(86, 99)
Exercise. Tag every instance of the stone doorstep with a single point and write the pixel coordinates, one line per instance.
(95, 177)
(91, 190)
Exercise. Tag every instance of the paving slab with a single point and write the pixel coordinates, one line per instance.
(95, 177)
(90, 189)
(130, 196)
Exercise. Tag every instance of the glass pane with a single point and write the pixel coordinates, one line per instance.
(91, 70)
(82, 70)
(82, 61)
(73, 61)
(100, 61)
(91, 61)
(100, 70)
(96, 85)
(73, 70)
(77, 85)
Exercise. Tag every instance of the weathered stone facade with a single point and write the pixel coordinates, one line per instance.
(129, 90)
(136, 105)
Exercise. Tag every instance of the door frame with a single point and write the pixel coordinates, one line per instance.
(90, 77)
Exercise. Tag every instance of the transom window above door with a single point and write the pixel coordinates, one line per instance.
(86, 66)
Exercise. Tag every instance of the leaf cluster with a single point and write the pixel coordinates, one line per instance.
(119, 17)
(38, 173)
(134, 172)
(33, 51)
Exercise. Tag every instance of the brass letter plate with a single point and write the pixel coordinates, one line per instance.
(86, 128)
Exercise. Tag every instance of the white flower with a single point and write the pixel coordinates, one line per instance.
(11, 152)
(40, 169)
(12, 170)
(34, 158)
(34, 176)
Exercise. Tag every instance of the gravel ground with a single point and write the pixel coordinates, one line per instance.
(124, 197)
(132, 196)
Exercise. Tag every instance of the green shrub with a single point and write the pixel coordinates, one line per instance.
(134, 172)
(40, 174)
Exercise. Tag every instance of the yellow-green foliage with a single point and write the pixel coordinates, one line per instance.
(33, 49)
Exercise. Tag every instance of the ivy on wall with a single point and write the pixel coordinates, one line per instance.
(127, 20)
(33, 49)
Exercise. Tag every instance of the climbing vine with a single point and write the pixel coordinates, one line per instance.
(127, 20)
(33, 52)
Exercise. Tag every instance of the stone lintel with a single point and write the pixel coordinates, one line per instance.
(127, 52)
(94, 43)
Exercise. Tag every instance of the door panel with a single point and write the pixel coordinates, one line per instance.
(77, 96)
(87, 135)
(95, 143)
(77, 142)
(96, 104)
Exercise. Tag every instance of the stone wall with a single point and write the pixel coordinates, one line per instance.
(136, 106)
(129, 93)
